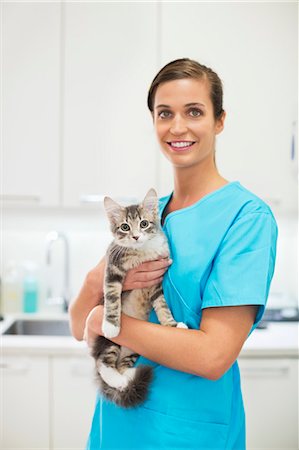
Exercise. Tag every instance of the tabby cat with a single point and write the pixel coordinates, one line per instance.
(138, 237)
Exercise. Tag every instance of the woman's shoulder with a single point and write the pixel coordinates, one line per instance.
(250, 203)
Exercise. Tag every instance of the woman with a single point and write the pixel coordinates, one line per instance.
(223, 242)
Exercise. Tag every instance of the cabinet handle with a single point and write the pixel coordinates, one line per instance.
(264, 372)
(20, 198)
(99, 198)
(19, 367)
(91, 198)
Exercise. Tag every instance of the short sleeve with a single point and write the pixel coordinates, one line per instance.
(243, 267)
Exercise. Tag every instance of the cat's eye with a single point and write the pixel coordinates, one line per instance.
(144, 224)
(125, 227)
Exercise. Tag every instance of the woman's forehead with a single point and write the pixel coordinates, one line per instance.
(182, 92)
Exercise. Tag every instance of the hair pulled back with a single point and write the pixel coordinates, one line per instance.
(188, 68)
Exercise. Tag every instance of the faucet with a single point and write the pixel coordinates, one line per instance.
(64, 299)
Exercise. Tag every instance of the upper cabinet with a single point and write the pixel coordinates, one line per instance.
(75, 124)
(253, 48)
(109, 54)
(30, 103)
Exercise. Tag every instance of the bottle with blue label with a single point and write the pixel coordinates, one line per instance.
(30, 288)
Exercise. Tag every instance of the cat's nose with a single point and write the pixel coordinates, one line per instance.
(136, 238)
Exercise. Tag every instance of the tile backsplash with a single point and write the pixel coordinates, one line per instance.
(24, 236)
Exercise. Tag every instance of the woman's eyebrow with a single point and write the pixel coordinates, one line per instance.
(195, 104)
(187, 104)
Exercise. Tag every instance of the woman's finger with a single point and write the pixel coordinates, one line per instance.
(146, 284)
(151, 266)
(149, 276)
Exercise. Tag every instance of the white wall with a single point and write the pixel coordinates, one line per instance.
(24, 237)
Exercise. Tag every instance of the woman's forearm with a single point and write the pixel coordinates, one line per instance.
(180, 349)
(208, 352)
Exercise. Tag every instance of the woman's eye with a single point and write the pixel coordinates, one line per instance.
(164, 114)
(144, 224)
(124, 227)
(195, 112)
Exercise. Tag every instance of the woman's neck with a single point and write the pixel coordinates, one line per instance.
(193, 183)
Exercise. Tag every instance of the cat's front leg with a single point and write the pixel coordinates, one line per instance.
(162, 310)
(114, 278)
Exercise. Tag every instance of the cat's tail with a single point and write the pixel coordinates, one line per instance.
(129, 389)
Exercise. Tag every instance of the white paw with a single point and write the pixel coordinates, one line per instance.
(110, 330)
(181, 325)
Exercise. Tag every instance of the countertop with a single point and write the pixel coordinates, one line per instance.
(279, 339)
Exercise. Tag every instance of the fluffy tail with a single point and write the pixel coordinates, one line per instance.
(127, 390)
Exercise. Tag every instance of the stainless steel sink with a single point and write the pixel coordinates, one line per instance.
(38, 327)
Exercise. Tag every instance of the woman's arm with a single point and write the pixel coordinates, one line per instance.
(145, 275)
(208, 352)
(88, 297)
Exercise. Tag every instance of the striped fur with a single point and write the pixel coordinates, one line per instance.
(137, 238)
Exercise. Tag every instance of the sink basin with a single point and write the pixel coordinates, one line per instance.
(38, 327)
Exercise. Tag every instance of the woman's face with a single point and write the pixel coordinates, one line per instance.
(184, 121)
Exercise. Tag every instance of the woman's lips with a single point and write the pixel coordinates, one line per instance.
(180, 146)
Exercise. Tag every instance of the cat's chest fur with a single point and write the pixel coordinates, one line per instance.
(137, 303)
(154, 248)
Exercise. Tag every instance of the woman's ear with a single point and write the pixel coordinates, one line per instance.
(220, 123)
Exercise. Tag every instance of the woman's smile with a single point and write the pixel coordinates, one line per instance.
(181, 146)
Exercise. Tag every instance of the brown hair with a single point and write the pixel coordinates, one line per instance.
(188, 68)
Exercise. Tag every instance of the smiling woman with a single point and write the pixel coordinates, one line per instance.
(223, 243)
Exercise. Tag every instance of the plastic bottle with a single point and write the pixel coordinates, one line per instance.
(30, 288)
(11, 289)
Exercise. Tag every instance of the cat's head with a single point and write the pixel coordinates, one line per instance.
(133, 225)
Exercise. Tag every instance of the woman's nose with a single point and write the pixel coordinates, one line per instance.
(178, 126)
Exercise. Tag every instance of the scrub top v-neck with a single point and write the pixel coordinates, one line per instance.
(223, 249)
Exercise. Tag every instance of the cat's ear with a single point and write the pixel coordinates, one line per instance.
(150, 201)
(113, 209)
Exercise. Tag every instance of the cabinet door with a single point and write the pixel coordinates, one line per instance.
(253, 48)
(110, 58)
(270, 393)
(25, 403)
(30, 103)
(72, 401)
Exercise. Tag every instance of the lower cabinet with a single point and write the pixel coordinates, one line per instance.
(72, 401)
(47, 402)
(25, 419)
(270, 393)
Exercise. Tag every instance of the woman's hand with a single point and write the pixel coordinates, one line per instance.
(147, 274)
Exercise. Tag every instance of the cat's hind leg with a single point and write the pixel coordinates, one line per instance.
(126, 359)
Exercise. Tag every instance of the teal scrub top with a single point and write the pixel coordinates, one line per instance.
(223, 249)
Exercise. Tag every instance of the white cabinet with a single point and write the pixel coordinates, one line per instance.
(47, 401)
(270, 393)
(25, 399)
(109, 59)
(253, 48)
(72, 401)
(30, 103)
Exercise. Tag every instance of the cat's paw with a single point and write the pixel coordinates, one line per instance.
(181, 325)
(110, 330)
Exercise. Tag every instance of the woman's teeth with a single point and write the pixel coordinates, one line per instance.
(180, 145)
